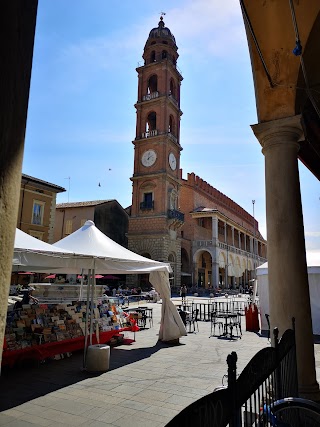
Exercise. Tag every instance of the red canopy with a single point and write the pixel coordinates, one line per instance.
(51, 276)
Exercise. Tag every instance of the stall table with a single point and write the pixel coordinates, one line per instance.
(43, 351)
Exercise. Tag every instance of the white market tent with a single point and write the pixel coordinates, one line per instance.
(112, 258)
(35, 255)
(88, 248)
(313, 265)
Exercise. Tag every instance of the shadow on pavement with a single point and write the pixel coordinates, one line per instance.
(31, 380)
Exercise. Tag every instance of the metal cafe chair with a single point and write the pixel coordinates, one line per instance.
(215, 321)
(147, 313)
(192, 321)
(236, 324)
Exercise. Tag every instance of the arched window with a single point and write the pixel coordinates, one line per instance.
(171, 125)
(152, 84)
(164, 54)
(151, 125)
(152, 120)
(153, 56)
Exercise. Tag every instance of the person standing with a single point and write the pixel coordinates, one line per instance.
(183, 293)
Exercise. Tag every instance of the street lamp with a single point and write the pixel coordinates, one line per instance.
(254, 239)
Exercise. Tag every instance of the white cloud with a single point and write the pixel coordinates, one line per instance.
(208, 26)
(203, 27)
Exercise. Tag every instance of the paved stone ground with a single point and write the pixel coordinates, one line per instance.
(148, 382)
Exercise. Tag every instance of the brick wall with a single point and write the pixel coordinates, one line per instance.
(195, 192)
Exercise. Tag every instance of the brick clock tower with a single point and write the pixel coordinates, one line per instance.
(155, 216)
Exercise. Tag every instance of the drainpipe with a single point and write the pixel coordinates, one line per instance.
(22, 203)
(64, 214)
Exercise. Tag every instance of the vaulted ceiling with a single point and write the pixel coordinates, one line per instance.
(287, 84)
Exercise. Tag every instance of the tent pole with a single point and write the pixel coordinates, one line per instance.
(91, 305)
(81, 286)
(87, 318)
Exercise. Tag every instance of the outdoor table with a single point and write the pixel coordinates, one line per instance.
(227, 317)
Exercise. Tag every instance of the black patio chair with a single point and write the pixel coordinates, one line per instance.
(192, 320)
(215, 321)
(236, 325)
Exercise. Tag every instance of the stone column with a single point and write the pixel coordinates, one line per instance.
(17, 21)
(288, 279)
(215, 253)
(225, 232)
(239, 236)
(232, 235)
(214, 230)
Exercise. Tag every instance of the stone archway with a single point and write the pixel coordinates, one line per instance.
(203, 269)
(222, 269)
(186, 276)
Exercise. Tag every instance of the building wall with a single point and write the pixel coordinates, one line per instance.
(195, 192)
(29, 194)
(75, 216)
(197, 234)
(109, 217)
(113, 221)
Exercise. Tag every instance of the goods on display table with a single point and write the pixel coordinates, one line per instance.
(43, 330)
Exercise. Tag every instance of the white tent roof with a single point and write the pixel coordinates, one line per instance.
(24, 241)
(33, 254)
(313, 264)
(109, 257)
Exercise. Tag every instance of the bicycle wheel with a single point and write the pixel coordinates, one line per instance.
(291, 412)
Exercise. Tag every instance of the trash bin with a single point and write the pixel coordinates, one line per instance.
(98, 358)
(252, 320)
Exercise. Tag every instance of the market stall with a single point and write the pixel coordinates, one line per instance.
(313, 265)
(89, 249)
(46, 330)
(115, 259)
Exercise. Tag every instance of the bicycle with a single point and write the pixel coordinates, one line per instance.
(290, 412)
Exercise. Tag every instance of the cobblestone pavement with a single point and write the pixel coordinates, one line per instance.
(148, 382)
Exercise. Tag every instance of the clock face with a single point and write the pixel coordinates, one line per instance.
(172, 161)
(148, 158)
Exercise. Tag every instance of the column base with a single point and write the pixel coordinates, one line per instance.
(310, 392)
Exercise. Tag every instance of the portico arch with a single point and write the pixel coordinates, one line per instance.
(203, 268)
(222, 269)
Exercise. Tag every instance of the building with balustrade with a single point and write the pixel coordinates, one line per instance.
(221, 245)
(208, 239)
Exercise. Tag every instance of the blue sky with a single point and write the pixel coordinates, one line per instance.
(81, 118)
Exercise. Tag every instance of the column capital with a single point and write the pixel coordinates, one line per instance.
(281, 131)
